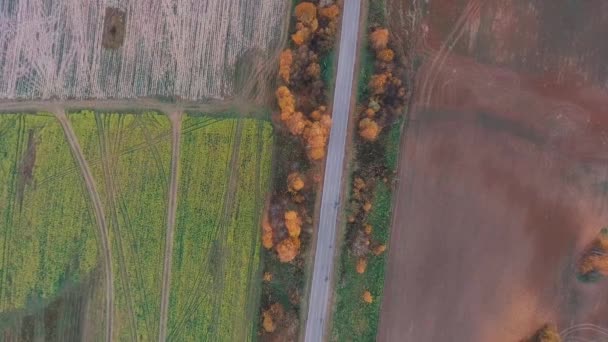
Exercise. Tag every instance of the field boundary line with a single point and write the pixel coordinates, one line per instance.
(99, 214)
(176, 123)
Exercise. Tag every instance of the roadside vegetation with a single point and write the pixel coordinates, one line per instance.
(593, 264)
(382, 95)
(547, 333)
(47, 238)
(305, 73)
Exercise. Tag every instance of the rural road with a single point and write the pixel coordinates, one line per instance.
(99, 214)
(15, 106)
(319, 302)
(176, 124)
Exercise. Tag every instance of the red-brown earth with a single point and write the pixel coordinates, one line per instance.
(503, 179)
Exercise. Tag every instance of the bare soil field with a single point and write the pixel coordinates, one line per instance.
(124, 49)
(503, 179)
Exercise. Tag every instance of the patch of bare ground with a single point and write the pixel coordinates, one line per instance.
(73, 315)
(503, 174)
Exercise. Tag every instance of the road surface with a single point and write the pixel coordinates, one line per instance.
(119, 105)
(99, 215)
(176, 124)
(319, 305)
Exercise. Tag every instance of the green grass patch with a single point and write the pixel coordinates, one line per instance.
(48, 234)
(377, 13)
(129, 156)
(393, 140)
(355, 320)
(224, 174)
(365, 74)
(328, 70)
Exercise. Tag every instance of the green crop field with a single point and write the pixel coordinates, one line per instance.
(47, 231)
(49, 235)
(224, 173)
(129, 156)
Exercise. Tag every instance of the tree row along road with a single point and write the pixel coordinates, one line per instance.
(319, 305)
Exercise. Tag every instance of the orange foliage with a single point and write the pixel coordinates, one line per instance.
(368, 129)
(367, 207)
(266, 233)
(548, 333)
(293, 222)
(379, 39)
(602, 241)
(316, 135)
(295, 182)
(295, 122)
(325, 122)
(593, 262)
(361, 265)
(306, 12)
(318, 113)
(270, 316)
(385, 55)
(370, 113)
(359, 183)
(286, 100)
(367, 229)
(288, 249)
(268, 322)
(313, 70)
(367, 297)
(379, 250)
(330, 12)
(378, 83)
(285, 61)
(301, 36)
(267, 276)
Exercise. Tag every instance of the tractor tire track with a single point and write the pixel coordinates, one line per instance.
(176, 124)
(99, 216)
(198, 292)
(109, 159)
(229, 195)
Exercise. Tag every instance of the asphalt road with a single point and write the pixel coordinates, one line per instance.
(319, 302)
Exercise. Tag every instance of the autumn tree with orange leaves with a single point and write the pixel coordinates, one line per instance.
(547, 333)
(594, 261)
(368, 129)
(378, 39)
(304, 124)
(295, 182)
(285, 62)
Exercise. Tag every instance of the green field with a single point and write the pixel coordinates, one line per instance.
(224, 173)
(47, 228)
(129, 156)
(49, 234)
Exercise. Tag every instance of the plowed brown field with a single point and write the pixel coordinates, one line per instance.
(503, 175)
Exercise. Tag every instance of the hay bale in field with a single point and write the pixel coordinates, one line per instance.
(113, 28)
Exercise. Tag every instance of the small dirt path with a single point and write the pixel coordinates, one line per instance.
(176, 124)
(99, 214)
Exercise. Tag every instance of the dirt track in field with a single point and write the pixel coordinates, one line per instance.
(503, 175)
(99, 216)
(176, 124)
